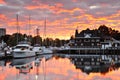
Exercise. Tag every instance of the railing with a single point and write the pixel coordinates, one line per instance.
(85, 47)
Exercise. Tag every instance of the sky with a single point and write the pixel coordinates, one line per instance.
(62, 16)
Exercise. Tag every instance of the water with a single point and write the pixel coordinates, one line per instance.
(62, 67)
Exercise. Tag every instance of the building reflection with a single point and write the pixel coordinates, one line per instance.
(96, 64)
(3, 63)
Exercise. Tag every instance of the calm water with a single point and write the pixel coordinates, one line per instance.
(62, 67)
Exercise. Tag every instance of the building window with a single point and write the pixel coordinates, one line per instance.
(76, 40)
(79, 40)
(92, 44)
(98, 44)
(86, 40)
(97, 40)
(92, 40)
(81, 44)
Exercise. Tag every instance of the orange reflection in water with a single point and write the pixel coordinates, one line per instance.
(58, 68)
(55, 69)
(7, 72)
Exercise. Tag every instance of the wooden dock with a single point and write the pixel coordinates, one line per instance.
(100, 51)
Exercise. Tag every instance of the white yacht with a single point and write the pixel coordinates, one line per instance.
(23, 49)
(46, 50)
(37, 49)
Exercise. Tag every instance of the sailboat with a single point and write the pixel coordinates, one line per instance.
(44, 49)
(37, 47)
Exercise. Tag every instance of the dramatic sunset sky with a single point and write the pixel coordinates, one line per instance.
(62, 16)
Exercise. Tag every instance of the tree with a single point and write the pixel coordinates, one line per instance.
(37, 40)
(104, 30)
(5, 38)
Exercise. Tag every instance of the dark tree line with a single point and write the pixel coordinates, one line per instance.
(11, 40)
(103, 31)
(106, 31)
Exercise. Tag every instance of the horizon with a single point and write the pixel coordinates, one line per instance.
(62, 17)
(68, 36)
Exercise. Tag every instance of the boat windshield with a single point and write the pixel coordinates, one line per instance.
(37, 45)
(25, 47)
(24, 42)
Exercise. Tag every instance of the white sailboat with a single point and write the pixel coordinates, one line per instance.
(44, 49)
(37, 47)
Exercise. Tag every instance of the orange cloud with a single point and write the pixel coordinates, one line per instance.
(74, 0)
(83, 21)
(32, 7)
(56, 8)
(40, 6)
(3, 17)
(2, 2)
(71, 11)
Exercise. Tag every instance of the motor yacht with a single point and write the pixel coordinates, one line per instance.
(37, 49)
(23, 49)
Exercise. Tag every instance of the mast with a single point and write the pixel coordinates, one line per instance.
(45, 29)
(45, 32)
(29, 27)
(37, 34)
(18, 28)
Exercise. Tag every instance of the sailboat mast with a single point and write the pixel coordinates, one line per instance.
(29, 27)
(18, 28)
(29, 23)
(45, 28)
(45, 32)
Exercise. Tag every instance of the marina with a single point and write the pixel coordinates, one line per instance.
(59, 40)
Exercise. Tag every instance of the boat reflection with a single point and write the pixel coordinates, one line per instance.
(23, 65)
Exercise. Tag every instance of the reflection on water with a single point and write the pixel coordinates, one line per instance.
(96, 63)
(62, 67)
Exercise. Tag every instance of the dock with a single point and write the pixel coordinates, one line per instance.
(90, 51)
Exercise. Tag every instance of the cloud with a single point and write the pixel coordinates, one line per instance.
(2, 2)
(60, 13)
(3, 17)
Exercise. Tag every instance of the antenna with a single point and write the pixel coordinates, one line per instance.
(37, 31)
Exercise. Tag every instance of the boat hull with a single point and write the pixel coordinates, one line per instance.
(23, 54)
(37, 50)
